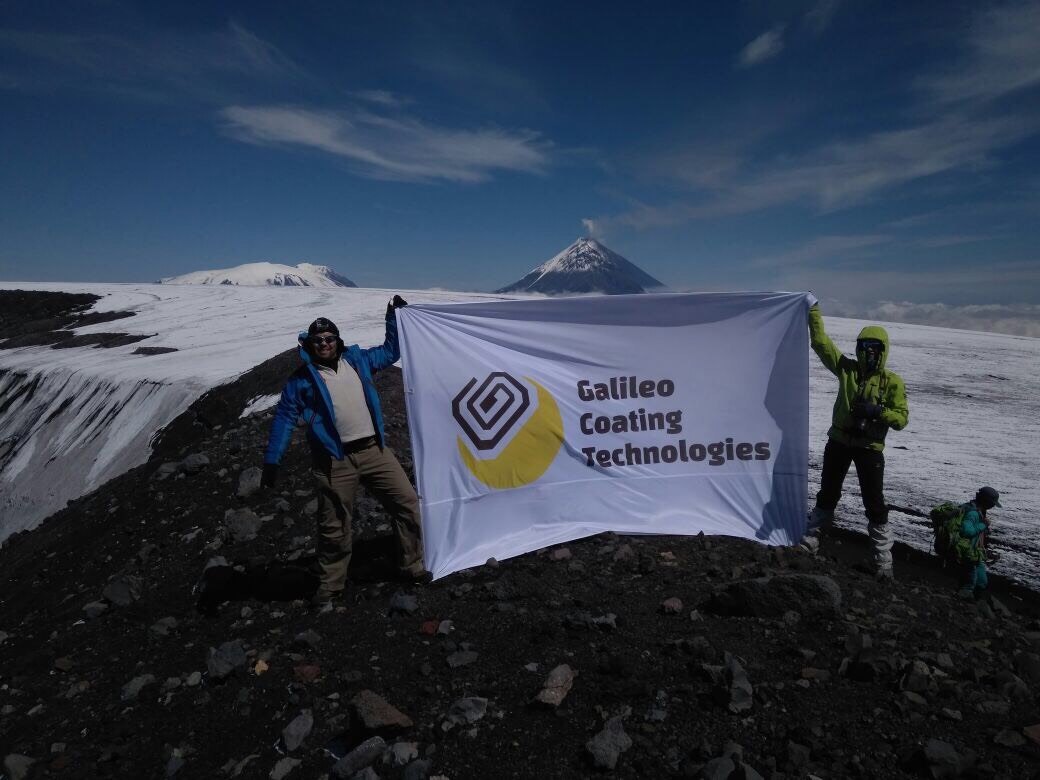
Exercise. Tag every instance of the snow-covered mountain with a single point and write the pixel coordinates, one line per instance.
(586, 266)
(266, 274)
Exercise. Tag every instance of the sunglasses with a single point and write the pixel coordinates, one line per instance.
(323, 339)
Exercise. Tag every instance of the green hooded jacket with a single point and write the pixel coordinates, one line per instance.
(882, 387)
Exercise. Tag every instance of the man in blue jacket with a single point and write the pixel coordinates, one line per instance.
(333, 393)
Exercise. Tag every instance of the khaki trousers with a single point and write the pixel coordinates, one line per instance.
(337, 480)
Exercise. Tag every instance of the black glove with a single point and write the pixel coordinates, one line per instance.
(269, 476)
(396, 303)
(864, 410)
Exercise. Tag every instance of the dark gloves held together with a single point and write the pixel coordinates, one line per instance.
(396, 303)
(864, 410)
(269, 475)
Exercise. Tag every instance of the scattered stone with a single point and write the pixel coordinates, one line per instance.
(607, 622)
(403, 603)
(241, 525)
(164, 626)
(368, 773)
(1009, 738)
(735, 690)
(672, 606)
(123, 591)
(557, 685)
(445, 627)
(608, 745)
(770, 597)
(193, 679)
(133, 688)
(225, 659)
(560, 554)
(464, 712)
(1033, 732)
(95, 609)
(311, 507)
(402, 753)
(305, 673)
(17, 766)
(941, 759)
(360, 757)
(418, 770)
(376, 714)
(63, 664)
(283, 768)
(194, 463)
(309, 638)
(249, 482)
(297, 731)
(461, 658)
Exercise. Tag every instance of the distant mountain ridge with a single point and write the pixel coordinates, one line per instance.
(266, 274)
(586, 266)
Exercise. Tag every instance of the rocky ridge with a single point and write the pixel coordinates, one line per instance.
(159, 628)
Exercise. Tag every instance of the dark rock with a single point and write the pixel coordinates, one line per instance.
(241, 525)
(357, 759)
(816, 596)
(557, 685)
(465, 711)
(375, 714)
(194, 463)
(249, 482)
(225, 659)
(403, 603)
(608, 745)
(297, 731)
(123, 591)
(133, 688)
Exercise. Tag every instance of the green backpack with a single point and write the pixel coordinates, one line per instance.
(946, 528)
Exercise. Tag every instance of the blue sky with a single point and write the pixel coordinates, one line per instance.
(868, 151)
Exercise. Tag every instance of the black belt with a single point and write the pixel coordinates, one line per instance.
(350, 447)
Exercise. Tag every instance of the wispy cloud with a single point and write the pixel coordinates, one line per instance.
(764, 47)
(957, 131)
(392, 146)
(822, 248)
(820, 16)
(1002, 57)
(149, 63)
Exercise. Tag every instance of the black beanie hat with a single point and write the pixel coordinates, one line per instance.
(322, 325)
(988, 496)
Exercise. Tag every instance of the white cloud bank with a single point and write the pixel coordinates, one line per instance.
(1014, 319)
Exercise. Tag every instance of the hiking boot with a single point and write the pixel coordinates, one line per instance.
(885, 574)
(419, 576)
(324, 600)
(819, 518)
(967, 594)
(810, 543)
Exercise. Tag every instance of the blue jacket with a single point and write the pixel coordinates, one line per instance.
(305, 396)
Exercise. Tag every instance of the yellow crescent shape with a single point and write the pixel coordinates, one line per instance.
(529, 454)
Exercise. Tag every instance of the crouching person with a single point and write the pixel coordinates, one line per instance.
(970, 548)
(334, 394)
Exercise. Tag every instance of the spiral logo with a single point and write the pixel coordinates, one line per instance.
(510, 441)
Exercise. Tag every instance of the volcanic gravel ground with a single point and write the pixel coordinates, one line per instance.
(108, 669)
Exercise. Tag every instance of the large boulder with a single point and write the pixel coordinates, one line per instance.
(813, 595)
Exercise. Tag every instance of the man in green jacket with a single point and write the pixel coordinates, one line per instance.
(871, 399)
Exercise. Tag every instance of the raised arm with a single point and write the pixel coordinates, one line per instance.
(389, 352)
(821, 343)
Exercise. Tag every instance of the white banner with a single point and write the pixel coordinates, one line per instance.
(540, 421)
